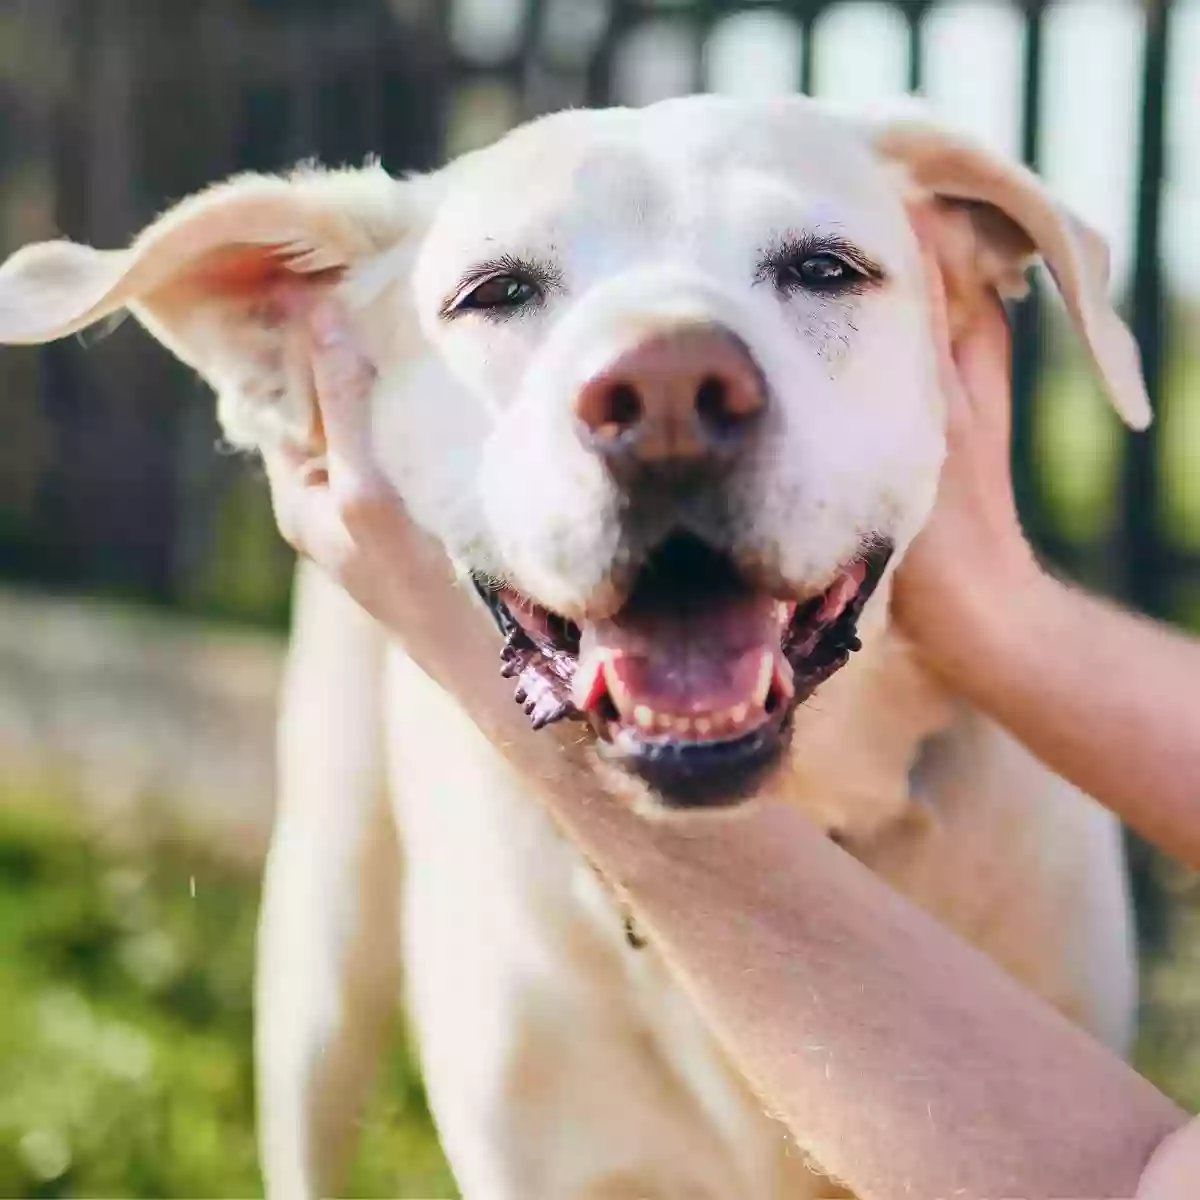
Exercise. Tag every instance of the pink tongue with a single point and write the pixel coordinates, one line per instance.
(705, 659)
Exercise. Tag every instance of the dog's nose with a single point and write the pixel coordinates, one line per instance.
(683, 396)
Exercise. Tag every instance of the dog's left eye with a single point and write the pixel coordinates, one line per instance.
(823, 272)
(500, 292)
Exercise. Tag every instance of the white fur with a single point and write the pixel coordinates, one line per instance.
(562, 1062)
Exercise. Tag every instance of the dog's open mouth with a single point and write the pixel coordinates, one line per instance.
(693, 682)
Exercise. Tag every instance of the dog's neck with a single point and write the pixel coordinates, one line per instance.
(857, 739)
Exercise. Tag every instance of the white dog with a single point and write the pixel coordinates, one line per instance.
(662, 382)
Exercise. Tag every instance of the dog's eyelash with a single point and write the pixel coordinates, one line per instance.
(795, 249)
(542, 276)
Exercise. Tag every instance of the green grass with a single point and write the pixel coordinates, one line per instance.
(125, 1029)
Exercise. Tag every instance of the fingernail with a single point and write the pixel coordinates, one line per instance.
(327, 325)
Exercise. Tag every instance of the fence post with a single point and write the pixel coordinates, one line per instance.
(1139, 547)
(914, 14)
(1027, 318)
(1144, 581)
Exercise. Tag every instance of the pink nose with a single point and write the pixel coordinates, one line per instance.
(690, 394)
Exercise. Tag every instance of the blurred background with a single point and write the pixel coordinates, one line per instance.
(144, 593)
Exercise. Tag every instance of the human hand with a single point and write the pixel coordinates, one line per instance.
(341, 512)
(1174, 1170)
(971, 564)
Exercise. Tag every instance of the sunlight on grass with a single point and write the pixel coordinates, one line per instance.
(125, 1026)
(125, 1029)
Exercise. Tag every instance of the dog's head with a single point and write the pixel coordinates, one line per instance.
(661, 380)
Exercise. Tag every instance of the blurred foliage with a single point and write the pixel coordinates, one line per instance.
(1079, 442)
(1168, 1051)
(125, 1027)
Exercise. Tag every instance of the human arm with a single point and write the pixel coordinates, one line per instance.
(850, 1011)
(1106, 698)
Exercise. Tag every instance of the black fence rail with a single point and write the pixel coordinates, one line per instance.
(110, 109)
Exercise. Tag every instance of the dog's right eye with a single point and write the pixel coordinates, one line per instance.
(818, 265)
(500, 292)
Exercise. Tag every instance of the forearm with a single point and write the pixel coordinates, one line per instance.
(908, 1060)
(850, 1011)
(1109, 700)
(823, 986)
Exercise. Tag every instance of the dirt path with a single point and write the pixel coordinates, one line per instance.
(141, 718)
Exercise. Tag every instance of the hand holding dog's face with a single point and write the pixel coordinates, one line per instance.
(970, 565)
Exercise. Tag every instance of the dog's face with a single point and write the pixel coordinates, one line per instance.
(682, 365)
(661, 380)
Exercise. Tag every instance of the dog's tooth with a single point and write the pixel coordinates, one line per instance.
(766, 675)
(703, 726)
(617, 691)
(738, 715)
(644, 716)
(663, 722)
(839, 594)
(683, 726)
(784, 677)
(589, 683)
(781, 612)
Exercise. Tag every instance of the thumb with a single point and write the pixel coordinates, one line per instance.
(949, 381)
(983, 364)
(343, 378)
(1175, 1167)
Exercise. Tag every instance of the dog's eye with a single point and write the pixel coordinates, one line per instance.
(823, 272)
(500, 292)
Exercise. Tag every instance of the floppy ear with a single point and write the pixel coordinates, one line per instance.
(220, 280)
(997, 218)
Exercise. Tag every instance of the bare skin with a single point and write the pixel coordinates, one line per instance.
(730, 952)
(1104, 697)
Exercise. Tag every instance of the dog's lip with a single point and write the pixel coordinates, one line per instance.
(633, 702)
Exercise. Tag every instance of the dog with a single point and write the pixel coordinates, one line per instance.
(662, 381)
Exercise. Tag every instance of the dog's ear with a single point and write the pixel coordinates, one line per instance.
(221, 280)
(996, 217)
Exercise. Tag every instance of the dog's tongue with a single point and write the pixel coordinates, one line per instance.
(697, 667)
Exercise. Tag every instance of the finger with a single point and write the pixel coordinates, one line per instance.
(923, 221)
(342, 378)
(935, 286)
(983, 362)
(296, 484)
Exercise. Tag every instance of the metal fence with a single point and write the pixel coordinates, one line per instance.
(109, 109)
